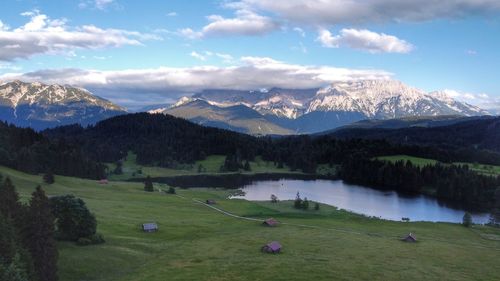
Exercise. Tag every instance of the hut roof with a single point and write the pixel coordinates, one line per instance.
(410, 238)
(274, 245)
(210, 201)
(151, 226)
(270, 222)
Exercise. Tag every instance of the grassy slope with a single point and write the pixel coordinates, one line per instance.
(211, 165)
(480, 168)
(198, 243)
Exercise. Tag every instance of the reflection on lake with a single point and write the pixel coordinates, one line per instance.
(362, 200)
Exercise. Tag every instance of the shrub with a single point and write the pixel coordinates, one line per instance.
(73, 218)
(316, 206)
(171, 190)
(467, 220)
(82, 241)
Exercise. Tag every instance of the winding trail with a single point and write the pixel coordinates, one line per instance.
(371, 234)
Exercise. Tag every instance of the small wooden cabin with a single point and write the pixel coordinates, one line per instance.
(273, 247)
(210, 202)
(149, 227)
(409, 238)
(103, 181)
(270, 222)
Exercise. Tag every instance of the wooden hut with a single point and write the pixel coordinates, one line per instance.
(210, 202)
(409, 238)
(270, 222)
(103, 181)
(149, 227)
(273, 247)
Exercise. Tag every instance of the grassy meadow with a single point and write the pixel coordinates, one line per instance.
(480, 168)
(196, 242)
(210, 165)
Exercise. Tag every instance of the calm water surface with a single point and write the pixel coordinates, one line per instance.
(362, 200)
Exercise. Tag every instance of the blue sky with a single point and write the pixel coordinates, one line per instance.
(143, 52)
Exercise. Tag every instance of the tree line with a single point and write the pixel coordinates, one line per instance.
(31, 152)
(455, 183)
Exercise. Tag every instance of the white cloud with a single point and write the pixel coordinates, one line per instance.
(171, 14)
(364, 40)
(300, 31)
(482, 100)
(331, 12)
(226, 58)
(42, 35)
(198, 56)
(96, 4)
(471, 52)
(102, 4)
(252, 73)
(246, 22)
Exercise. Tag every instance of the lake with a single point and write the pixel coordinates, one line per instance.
(388, 205)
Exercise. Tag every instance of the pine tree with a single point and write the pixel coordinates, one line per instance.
(247, 166)
(305, 204)
(297, 204)
(467, 220)
(148, 185)
(316, 206)
(9, 200)
(38, 236)
(49, 177)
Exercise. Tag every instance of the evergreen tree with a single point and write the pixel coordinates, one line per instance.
(119, 168)
(9, 200)
(148, 185)
(467, 220)
(38, 236)
(274, 198)
(305, 204)
(316, 206)
(297, 204)
(171, 190)
(247, 167)
(49, 177)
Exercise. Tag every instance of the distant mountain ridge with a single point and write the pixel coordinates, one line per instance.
(41, 106)
(316, 110)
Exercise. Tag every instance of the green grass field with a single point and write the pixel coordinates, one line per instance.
(211, 165)
(480, 168)
(198, 243)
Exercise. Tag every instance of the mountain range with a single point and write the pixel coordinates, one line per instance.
(276, 111)
(293, 111)
(42, 106)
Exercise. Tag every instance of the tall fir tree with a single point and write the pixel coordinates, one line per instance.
(9, 200)
(148, 185)
(38, 236)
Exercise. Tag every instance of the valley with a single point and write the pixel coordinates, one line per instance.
(194, 240)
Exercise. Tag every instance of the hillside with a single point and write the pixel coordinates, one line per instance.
(482, 133)
(196, 242)
(41, 106)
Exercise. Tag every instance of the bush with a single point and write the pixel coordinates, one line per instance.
(91, 240)
(73, 218)
(171, 190)
(316, 206)
(82, 241)
(467, 220)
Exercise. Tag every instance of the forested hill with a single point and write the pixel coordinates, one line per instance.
(26, 150)
(157, 139)
(477, 134)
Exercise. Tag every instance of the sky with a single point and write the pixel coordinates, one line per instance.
(137, 53)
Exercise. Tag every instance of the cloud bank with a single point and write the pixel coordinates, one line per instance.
(332, 12)
(42, 35)
(129, 87)
(364, 40)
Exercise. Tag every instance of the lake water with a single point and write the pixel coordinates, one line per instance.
(358, 199)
